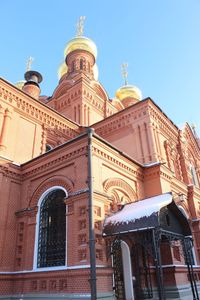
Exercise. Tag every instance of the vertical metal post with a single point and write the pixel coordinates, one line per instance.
(186, 243)
(91, 219)
(157, 260)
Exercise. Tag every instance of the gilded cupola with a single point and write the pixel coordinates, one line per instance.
(128, 94)
(80, 55)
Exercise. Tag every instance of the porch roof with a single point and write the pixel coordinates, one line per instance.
(140, 215)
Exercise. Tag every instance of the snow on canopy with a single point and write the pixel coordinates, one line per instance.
(137, 215)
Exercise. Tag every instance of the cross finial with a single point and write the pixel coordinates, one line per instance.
(194, 130)
(80, 26)
(125, 72)
(29, 63)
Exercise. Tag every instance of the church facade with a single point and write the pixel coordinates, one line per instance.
(99, 197)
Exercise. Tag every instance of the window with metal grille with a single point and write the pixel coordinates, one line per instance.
(52, 230)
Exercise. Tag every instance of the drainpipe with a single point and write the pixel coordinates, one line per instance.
(91, 219)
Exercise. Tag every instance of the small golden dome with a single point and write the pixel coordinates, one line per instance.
(96, 72)
(20, 84)
(128, 91)
(81, 43)
(62, 69)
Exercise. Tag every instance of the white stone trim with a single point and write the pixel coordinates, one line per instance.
(127, 271)
(50, 269)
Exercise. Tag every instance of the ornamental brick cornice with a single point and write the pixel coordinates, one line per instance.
(156, 174)
(164, 123)
(55, 133)
(42, 164)
(27, 212)
(120, 120)
(191, 141)
(196, 193)
(36, 110)
(76, 93)
(93, 98)
(178, 186)
(10, 173)
(119, 162)
(166, 172)
(158, 171)
(134, 113)
(99, 89)
(153, 174)
(165, 175)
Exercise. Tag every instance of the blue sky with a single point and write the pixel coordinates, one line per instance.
(159, 39)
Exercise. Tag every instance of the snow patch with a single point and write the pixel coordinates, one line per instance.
(139, 209)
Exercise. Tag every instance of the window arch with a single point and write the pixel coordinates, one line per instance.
(51, 240)
(73, 65)
(88, 66)
(81, 64)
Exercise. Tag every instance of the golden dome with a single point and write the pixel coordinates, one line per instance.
(62, 69)
(96, 72)
(81, 43)
(20, 84)
(128, 91)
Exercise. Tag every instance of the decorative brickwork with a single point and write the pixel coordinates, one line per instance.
(137, 152)
(116, 183)
(65, 183)
(36, 111)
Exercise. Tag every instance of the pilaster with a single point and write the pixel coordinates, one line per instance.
(5, 129)
(1, 118)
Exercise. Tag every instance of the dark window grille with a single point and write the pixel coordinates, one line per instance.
(118, 270)
(81, 64)
(52, 230)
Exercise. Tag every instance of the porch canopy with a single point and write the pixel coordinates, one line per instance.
(155, 212)
(147, 223)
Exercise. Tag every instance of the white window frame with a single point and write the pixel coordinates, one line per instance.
(35, 257)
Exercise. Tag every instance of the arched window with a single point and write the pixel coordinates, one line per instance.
(73, 66)
(89, 67)
(52, 230)
(81, 64)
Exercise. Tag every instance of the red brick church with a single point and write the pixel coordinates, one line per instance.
(100, 197)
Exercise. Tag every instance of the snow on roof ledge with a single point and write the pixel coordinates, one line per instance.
(156, 163)
(142, 213)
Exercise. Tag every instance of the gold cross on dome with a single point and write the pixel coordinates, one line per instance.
(29, 63)
(80, 26)
(125, 72)
(194, 130)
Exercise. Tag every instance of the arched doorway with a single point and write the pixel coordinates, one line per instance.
(123, 279)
